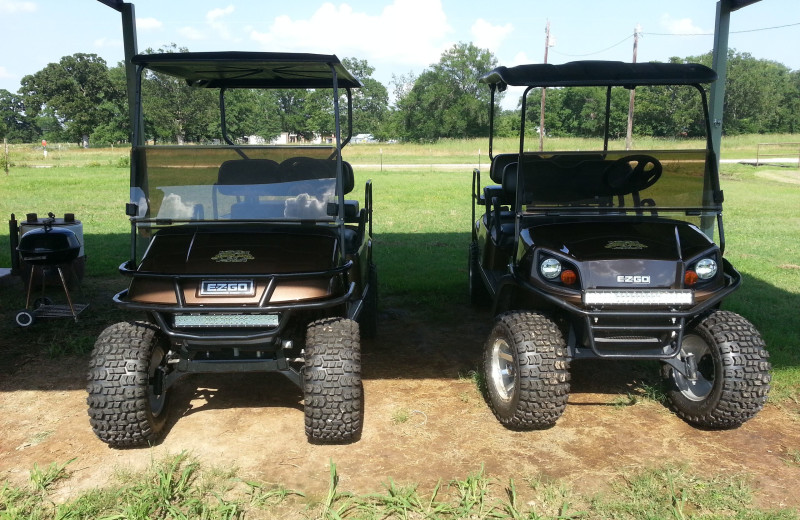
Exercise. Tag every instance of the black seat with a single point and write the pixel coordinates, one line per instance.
(499, 217)
(247, 180)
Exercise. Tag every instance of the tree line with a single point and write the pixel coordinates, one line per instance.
(81, 99)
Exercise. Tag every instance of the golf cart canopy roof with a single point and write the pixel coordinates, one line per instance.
(599, 74)
(250, 69)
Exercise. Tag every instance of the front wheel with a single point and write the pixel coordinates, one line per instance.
(527, 371)
(127, 389)
(334, 400)
(732, 372)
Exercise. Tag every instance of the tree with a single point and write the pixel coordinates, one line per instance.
(446, 99)
(760, 96)
(370, 102)
(175, 112)
(15, 125)
(74, 89)
(247, 113)
(115, 127)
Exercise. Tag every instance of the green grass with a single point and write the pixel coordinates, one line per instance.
(177, 487)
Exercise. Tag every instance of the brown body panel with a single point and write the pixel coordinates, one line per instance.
(248, 255)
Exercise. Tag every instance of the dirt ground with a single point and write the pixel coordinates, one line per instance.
(416, 367)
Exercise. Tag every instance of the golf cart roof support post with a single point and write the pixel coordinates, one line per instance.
(518, 195)
(608, 118)
(714, 191)
(719, 58)
(349, 116)
(223, 120)
(128, 12)
(524, 106)
(223, 123)
(492, 89)
(338, 137)
(138, 119)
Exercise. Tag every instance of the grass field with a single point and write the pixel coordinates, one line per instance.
(422, 220)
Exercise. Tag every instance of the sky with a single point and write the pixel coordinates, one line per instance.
(396, 37)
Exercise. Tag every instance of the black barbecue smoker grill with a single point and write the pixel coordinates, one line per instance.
(40, 248)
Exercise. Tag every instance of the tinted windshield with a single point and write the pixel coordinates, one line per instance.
(199, 183)
(660, 179)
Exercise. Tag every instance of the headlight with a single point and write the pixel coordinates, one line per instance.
(706, 269)
(550, 268)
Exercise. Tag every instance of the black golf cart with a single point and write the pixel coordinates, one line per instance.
(244, 257)
(609, 253)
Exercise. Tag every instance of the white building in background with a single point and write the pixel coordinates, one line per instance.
(290, 138)
(364, 138)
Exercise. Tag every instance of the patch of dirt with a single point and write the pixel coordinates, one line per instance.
(415, 368)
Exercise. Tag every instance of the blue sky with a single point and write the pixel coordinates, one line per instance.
(395, 36)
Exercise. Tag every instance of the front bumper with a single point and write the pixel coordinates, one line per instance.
(636, 331)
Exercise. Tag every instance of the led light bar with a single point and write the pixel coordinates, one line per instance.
(648, 297)
(226, 320)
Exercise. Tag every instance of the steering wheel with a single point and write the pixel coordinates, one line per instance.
(623, 176)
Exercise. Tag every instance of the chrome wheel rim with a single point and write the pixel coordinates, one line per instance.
(699, 389)
(503, 371)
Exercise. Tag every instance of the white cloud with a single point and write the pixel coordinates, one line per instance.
(679, 25)
(145, 24)
(215, 20)
(190, 33)
(14, 7)
(406, 32)
(4, 73)
(215, 14)
(488, 36)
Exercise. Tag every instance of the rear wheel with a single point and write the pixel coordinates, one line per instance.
(527, 371)
(334, 402)
(127, 391)
(732, 375)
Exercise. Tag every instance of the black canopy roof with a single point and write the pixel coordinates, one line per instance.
(599, 73)
(250, 69)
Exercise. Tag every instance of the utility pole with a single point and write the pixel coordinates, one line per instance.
(628, 142)
(547, 44)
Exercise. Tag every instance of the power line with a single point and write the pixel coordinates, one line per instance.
(672, 34)
(597, 52)
(731, 32)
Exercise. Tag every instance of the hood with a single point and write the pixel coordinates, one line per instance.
(615, 254)
(609, 240)
(245, 251)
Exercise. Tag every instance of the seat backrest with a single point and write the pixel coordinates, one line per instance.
(558, 179)
(499, 162)
(309, 168)
(242, 176)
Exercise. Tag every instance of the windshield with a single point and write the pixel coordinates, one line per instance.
(205, 183)
(660, 179)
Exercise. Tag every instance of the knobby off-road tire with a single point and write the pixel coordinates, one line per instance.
(334, 399)
(478, 294)
(527, 371)
(733, 373)
(369, 316)
(127, 396)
